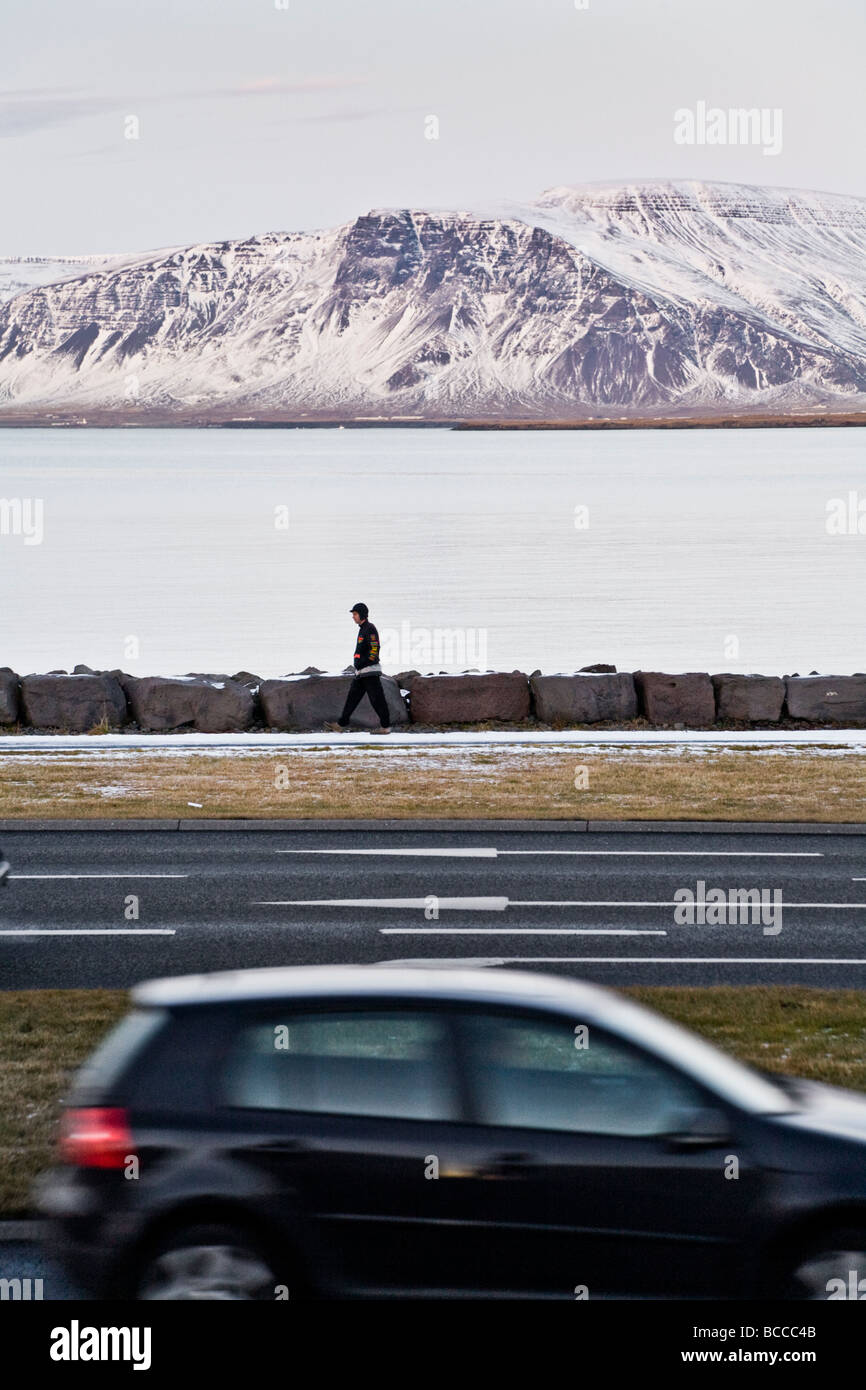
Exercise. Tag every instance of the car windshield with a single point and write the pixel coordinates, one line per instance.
(731, 1080)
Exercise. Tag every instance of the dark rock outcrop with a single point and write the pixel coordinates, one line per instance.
(10, 695)
(668, 699)
(820, 698)
(496, 696)
(307, 702)
(161, 703)
(76, 703)
(755, 699)
(585, 698)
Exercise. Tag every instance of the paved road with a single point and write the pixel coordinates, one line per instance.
(25, 1259)
(599, 906)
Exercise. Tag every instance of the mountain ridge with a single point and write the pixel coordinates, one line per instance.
(646, 298)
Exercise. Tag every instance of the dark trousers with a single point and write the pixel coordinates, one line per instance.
(366, 685)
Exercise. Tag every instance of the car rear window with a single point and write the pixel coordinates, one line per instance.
(389, 1064)
(115, 1053)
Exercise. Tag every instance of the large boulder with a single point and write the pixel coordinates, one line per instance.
(306, 702)
(685, 699)
(753, 699)
(496, 696)
(822, 698)
(159, 703)
(584, 698)
(77, 703)
(10, 692)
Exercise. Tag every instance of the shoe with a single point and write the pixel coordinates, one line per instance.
(380, 731)
(336, 728)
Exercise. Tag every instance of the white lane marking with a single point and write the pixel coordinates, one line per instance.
(87, 931)
(448, 904)
(519, 931)
(409, 853)
(20, 877)
(530, 902)
(680, 853)
(494, 904)
(487, 853)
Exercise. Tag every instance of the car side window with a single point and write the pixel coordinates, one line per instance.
(542, 1074)
(388, 1064)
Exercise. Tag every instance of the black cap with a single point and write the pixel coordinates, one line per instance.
(361, 609)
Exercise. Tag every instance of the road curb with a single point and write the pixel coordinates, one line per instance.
(9, 827)
(730, 827)
(447, 825)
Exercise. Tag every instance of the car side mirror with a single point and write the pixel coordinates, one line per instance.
(699, 1129)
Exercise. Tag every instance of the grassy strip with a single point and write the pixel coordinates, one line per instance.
(604, 784)
(45, 1034)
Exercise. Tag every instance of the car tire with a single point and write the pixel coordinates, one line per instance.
(808, 1272)
(206, 1263)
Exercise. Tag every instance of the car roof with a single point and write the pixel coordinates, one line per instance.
(366, 981)
(582, 1002)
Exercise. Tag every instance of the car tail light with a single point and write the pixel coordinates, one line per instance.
(96, 1138)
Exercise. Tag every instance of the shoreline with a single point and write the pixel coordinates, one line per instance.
(182, 420)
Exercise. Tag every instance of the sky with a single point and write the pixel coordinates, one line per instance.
(126, 127)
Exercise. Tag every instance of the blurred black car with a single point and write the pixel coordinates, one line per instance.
(328, 1131)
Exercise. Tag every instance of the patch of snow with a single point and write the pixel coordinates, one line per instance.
(26, 745)
(651, 294)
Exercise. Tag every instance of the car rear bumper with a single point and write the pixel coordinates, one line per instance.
(91, 1244)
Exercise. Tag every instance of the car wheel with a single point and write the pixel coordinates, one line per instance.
(830, 1267)
(205, 1263)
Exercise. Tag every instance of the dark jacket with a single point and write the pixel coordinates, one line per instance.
(366, 660)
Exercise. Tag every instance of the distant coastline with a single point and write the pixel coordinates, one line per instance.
(165, 420)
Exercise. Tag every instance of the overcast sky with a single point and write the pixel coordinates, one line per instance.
(254, 118)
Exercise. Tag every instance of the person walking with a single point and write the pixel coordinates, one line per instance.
(367, 679)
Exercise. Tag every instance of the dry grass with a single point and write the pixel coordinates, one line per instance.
(45, 1034)
(741, 784)
(816, 1033)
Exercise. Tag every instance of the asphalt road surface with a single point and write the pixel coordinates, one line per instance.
(109, 908)
(25, 1259)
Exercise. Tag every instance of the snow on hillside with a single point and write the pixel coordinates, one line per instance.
(644, 298)
(18, 274)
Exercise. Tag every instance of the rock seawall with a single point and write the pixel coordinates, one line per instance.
(87, 701)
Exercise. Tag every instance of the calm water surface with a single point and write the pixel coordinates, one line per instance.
(678, 550)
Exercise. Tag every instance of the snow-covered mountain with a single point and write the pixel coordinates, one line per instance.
(647, 299)
(20, 273)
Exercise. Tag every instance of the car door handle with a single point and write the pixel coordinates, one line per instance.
(508, 1165)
